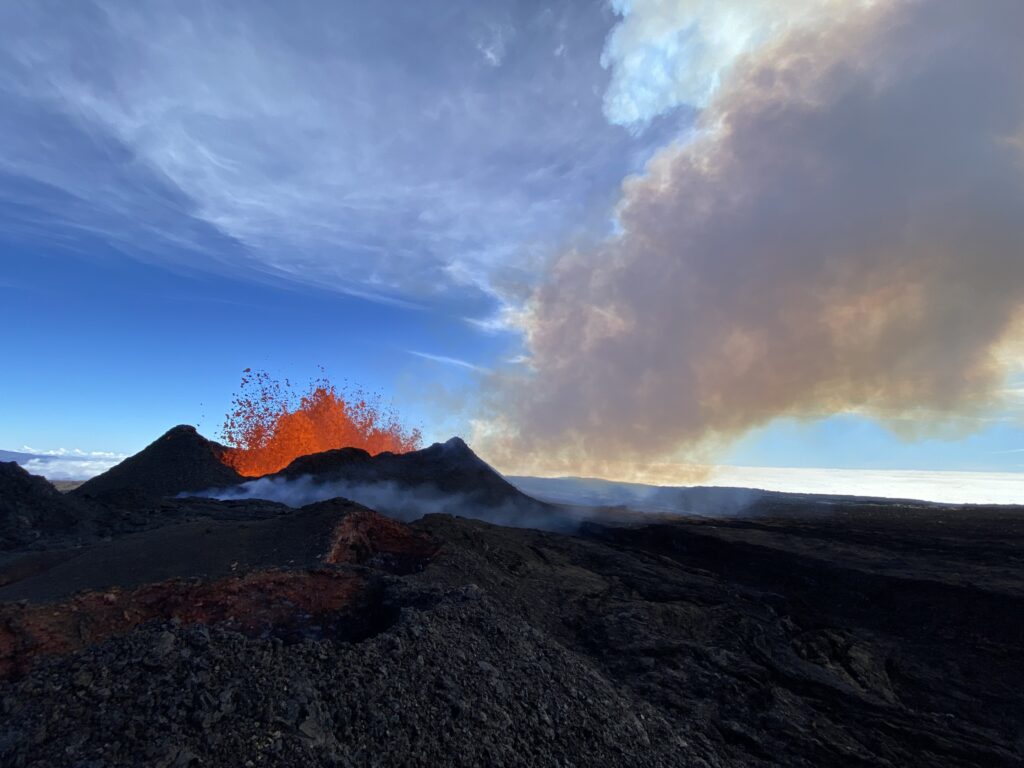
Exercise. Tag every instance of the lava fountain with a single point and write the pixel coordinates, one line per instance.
(269, 426)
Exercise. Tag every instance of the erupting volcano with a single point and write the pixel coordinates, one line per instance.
(269, 426)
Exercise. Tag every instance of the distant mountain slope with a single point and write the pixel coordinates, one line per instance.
(706, 501)
(179, 461)
(19, 456)
(643, 498)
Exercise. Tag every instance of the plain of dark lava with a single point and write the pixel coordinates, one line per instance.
(853, 633)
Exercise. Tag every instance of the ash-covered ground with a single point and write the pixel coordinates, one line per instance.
(138, 627)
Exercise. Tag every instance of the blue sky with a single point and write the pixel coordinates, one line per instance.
(190, 190)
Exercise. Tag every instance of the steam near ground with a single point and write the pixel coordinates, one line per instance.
(733, 491)
(400, 502)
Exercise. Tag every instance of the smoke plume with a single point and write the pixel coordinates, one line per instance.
(845, 232)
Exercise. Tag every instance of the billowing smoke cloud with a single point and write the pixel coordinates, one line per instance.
(846, 232)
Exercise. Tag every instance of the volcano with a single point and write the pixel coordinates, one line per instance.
(179, 461)
(446, 477)
(450, 468)
(183, 462)
(139, 626)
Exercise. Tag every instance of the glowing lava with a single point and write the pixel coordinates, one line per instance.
(268, 427)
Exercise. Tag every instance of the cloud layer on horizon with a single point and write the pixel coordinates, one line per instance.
(64, 464)
(844, 233)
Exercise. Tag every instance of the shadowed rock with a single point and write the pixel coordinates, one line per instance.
(180, 461)
(451, 467)
(274, 576)
(31, 508)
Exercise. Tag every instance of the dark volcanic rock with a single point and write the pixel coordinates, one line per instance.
(180, 461)
(455, 683)
(451, 467)
(229, 539)
(248, 633)
(446, 477)
(301, 574)
(31, 508)
(327, 465)
(683, 644)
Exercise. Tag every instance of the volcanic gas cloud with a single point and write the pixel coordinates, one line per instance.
(269, 425)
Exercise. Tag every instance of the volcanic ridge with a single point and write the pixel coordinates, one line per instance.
(180, 460)
(141, 624)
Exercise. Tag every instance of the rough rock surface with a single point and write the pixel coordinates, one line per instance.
(273, 577)
(680, 644)
(456, 682)
(261, 603)
(876, 635)
(269, 577)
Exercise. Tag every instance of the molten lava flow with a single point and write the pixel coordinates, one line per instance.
(267, 428)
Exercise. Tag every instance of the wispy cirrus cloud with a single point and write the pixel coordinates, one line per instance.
(404, 155)
(453, 361)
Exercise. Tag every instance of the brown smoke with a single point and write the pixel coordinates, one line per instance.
(845, 233)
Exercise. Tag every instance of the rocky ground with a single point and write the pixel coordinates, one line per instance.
(247, 633)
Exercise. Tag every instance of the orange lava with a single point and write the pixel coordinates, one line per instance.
(268, 427)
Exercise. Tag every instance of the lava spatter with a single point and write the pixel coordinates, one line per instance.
(269, 426)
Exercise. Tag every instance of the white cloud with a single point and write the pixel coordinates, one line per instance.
(502, 322)
(946, 487)
(934, 486)
(453, 361)
(667, 53)
(69, 464)
(71, 467)
(494, 44)
(76, 453)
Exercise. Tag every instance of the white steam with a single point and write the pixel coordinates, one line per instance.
(400, 502)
